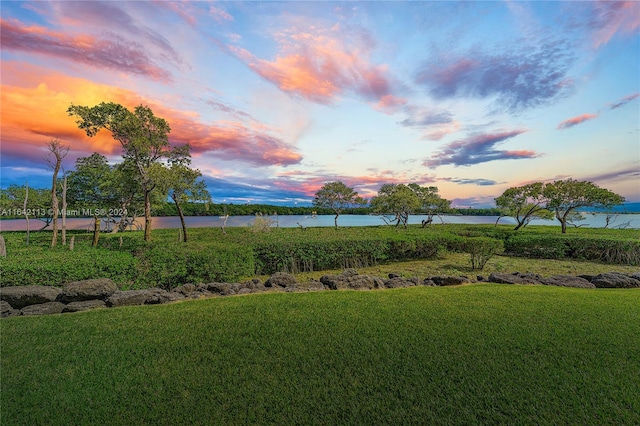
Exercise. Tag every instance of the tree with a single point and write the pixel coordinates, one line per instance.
(143, 136)
(524, 203)
(337, 196)
(431, 203)
(397, 199)
(57, 152)
(565, 196)
(180, 182)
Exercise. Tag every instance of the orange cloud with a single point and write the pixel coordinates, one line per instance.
(616, 17)
(321, 64)
(576, 120)
(34, 110)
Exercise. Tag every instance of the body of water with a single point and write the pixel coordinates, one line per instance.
(293, 221)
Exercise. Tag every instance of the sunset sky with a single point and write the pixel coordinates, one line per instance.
(278, 98)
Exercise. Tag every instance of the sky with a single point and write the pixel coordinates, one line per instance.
(278, 98)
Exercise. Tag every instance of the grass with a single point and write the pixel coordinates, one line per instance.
(475, 354)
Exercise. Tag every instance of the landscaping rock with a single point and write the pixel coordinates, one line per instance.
(43, 309)
(136, 297)
(84, 305)
(399, 282)
(350, 280)
(280, 279)
(78, 291)
(185, 289)
(447, 280)
(334, 282)
(6, 310)
(161, 296)
(20, 296)
(615, 280)
(568, 281)
(515, 278)
(223, 289)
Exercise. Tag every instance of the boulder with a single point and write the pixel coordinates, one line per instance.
(185, 289)
(280, 279)
(43, 309)
(615, 280)
(84, 305)
(309, 286)
(515, 278)
(399, 282)
(160, 296)
(77, 291)
(334, 282)
(136, 297)
(447, 280)
(568, 281)
(6, 310)
(223, 289)
(20, 296)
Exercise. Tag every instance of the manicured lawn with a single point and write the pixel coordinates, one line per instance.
(476, 354)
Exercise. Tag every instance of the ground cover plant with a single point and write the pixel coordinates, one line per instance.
(474, 354)
(241, 253)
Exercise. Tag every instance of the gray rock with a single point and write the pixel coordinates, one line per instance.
(160, 296)
(223, 289)
(131, 297)
(280, 279)
(615, 280)
(334, 282)
(20, 296)
(515, 278)
(447, 280)
(77, 291)
(309, 286)
(399, 282)
(84, 305)
(43, 309)
(185, 289)
(568, 281)
(6, 310)
(349, 272)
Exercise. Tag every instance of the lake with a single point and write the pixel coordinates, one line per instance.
(292, 221)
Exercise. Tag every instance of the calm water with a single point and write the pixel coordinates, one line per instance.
(292, 221)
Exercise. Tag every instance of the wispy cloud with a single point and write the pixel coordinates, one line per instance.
(321, 64)
(524, 78)
(576, 120)
(478, 148)
(610, 18)
(436, 124)
(478, 181)
(115, 53)
(625, 100)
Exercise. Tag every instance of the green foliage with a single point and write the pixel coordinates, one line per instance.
(396, 199)
(337, 196)
(481, 250)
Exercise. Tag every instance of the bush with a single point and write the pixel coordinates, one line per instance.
(481, 249)
(537, 246)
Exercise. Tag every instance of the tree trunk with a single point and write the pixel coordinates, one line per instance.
(147, 216)
(24, 208)
(335, 220)
(96, 231)
(182, 222)
(64, 211)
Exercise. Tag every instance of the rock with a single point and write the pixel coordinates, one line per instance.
(515, 278)
(223, 289)
(364, 282)
(136, 297)
(280, 279)
(392, 275)
(6, 310)
(43, 309)
(428, 282)
(447, 280)
(20, 296)
(349, 272)
(334, 282)
(567, 281)
(309, 286)
(185, 289)
(615, 280)
(77, 291)
(161, 296)
(399, 282)
(84, 305)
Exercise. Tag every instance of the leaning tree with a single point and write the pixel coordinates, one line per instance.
(396, 199)
(524, 203)
(143, 136)
(565, 196)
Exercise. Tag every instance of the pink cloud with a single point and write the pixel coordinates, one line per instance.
(322, 64)
(219, 14)
(576, 120)
(86, 49)
(625, 100)
(615, 17)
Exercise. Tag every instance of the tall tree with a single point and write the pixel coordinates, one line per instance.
(524, 203)
(565, 196)
(431, 203)
(337, 196)
(397, 199)
(180, 182)
(143, 136)
(57, 152)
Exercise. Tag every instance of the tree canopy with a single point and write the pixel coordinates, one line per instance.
(337, 196)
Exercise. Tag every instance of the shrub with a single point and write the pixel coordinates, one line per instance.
(481, 249)
(537, 246)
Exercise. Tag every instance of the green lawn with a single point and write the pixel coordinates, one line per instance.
(475, 354)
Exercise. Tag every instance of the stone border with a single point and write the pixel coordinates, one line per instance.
(103, 293)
